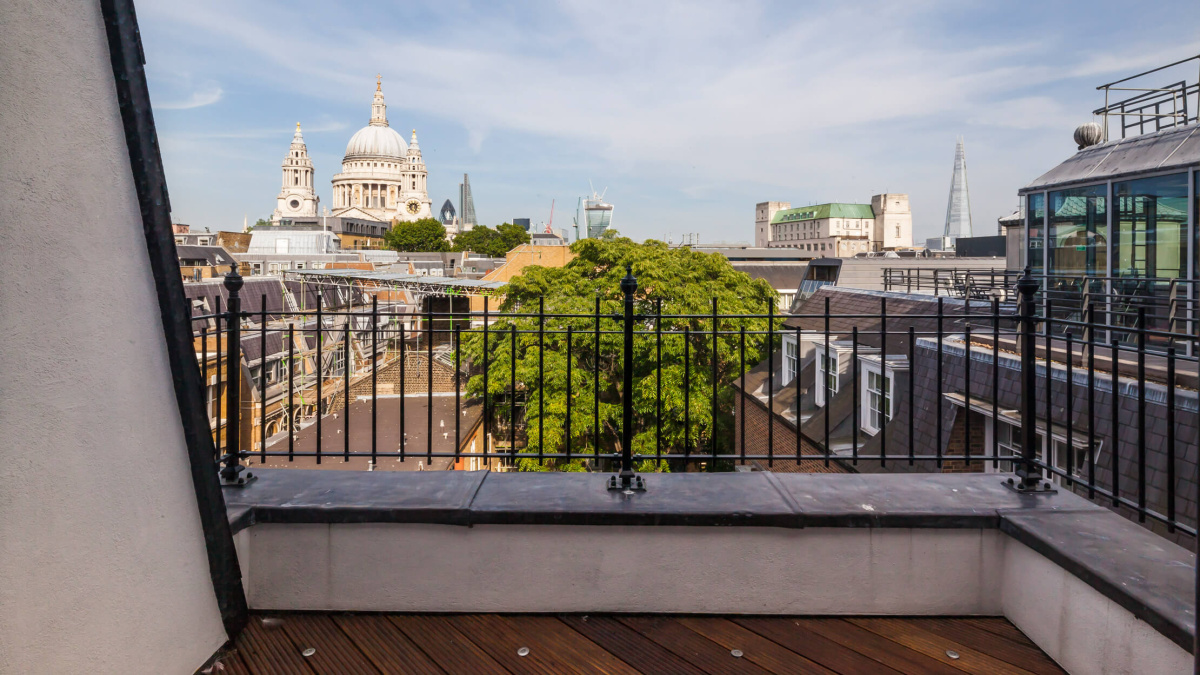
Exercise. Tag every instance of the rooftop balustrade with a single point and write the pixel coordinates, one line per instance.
(1051, 422)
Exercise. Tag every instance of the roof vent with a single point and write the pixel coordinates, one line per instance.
(1087, 135)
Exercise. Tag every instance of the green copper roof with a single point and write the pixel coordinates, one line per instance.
(820, 211)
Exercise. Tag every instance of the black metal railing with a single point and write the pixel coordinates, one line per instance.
(632, 387)
(974, 283)
(1150, 108)
(1166, 305)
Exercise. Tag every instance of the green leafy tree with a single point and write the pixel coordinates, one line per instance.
(493, 243)
(424, 235)
(511, 236)
(679, 280)
(261, 222)
(479, 239)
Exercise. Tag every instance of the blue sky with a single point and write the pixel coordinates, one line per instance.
(689, 113)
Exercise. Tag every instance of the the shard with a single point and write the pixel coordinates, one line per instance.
(958, 209)
(466, 204)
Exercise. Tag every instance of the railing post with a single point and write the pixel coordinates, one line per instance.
(233, 473)
(1027, 470)
(627, 481)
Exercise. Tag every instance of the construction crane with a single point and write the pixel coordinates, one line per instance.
(551, 221)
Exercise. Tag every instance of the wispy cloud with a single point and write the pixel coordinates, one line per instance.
(750, 100)
(198, 99)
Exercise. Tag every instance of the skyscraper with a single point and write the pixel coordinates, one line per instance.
(466, 204)
(958, 208)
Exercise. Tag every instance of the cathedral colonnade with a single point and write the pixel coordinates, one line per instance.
(366, 195)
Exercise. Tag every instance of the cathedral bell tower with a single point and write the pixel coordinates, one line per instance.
(416, 201)
(296, 199)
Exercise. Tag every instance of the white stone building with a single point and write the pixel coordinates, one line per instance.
(297, 198)
(763, 213)
(382, 178)
(835, 230)
(893, 221)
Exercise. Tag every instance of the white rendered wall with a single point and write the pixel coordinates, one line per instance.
(720, 570)
(504, 568)
(1077, 626)
(102, 559)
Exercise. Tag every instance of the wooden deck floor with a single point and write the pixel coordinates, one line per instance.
(345, 644)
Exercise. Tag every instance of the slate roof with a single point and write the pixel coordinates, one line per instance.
(252, 344)
(206, 255)
(251, 294)
(752, 253)
(903, 310)
(784, 406)
(1177, 147)
(780, 275)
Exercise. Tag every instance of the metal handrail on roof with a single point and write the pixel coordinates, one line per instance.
(418, 282)
(1146, 105)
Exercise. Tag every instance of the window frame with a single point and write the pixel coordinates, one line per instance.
(823, 361)
(868, 367)
(791, 362)
(1048, 453)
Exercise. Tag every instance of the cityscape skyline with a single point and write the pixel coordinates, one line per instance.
(687, 131)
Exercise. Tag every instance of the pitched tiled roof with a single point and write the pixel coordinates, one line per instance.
(1170, 148)
(780, 275)
(851, 307)
(784, 406)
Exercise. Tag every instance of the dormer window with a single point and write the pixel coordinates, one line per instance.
(826, 376)
(879, 401)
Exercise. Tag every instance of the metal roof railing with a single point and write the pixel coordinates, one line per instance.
(1155, 107)
(420, 283)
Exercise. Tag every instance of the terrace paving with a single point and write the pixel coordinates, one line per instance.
(618, 644)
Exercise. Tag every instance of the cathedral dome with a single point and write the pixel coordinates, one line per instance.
(376, 141)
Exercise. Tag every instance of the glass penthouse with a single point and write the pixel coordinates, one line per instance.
(1122, 212)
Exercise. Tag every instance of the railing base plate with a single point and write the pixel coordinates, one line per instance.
(244, 478)
(1042, 488)
(636, 484)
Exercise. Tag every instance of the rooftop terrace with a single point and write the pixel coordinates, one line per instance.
(140, 537)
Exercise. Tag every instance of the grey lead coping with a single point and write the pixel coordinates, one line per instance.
(1135, 568)
(1149, 576)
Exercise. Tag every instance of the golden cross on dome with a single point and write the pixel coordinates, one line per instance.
(379, 83)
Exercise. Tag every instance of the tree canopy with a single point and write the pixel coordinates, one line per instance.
(685, 283)
(424, 235)
(492, 243)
